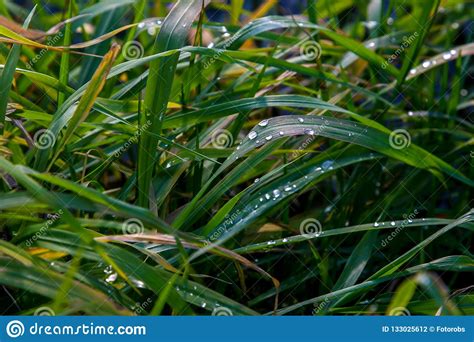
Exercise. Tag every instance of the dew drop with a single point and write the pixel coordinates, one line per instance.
(410, 113)
(309, 131)
(263, 123)
(211, 45)
(285, 240)
(392, 223)
(252, 135)
(413, 71)
(371, 44)
(256, 180)
(376, 224)
(269, 137)
(267, 196)
(371, 24)
(111, 278)
(446, 56)
(282, 133)
(327, 164)
(288, 188)
(301, 120)
(426, 64)
(276, 193)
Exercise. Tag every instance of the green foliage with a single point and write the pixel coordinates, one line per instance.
(264, 163)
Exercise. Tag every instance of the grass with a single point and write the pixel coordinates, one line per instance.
(211, 158)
